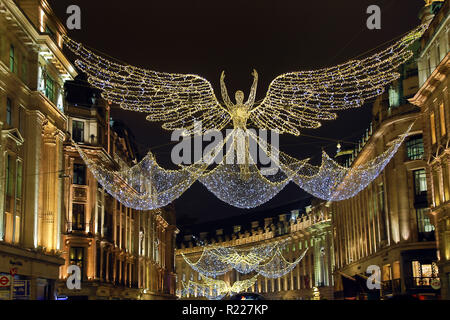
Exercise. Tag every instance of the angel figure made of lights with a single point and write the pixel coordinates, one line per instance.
(294, 101)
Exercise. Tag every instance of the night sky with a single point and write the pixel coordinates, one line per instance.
(205, 37)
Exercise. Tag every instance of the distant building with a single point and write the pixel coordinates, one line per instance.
(123, 253)
(433, 99)
(33, 70)
(308, 230)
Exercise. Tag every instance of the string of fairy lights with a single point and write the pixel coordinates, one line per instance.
(265, 260)
(294, 100)
(218, 260)
(213, 289)
(147, 186)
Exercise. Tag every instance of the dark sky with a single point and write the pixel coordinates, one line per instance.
(205, 37)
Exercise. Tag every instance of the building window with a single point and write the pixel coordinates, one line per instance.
(9, 111)
(76, 257)
(79, 174)
(442, 118)
(12, 59)
(420, 182)
(78, 217)
(9, 217)
(433, 128)
(415, 149)
(50, 88)
(9, 176)
(19, 180)
(78, 131)
(394, 97)
(424, 225)
(424, 273)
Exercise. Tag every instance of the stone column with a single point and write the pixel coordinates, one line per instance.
(32, 161)
(47, 217)
(402, 193)
(60, 188)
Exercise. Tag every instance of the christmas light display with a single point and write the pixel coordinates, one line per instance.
(294, 100)
(146, 186)
(331, 181)
(218, 260)
(266, 260)
(215, 289)
(278, 266)
(245, 185)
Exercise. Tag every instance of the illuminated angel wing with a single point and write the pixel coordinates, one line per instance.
(178, 100)
(303, 99)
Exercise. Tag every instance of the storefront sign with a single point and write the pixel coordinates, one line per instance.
(5, 281)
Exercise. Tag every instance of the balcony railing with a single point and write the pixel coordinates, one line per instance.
(78, 227)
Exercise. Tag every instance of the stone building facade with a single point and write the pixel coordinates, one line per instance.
(387, 225)
(123, 253)
(310, 231)
(434, 101)
(33, 70)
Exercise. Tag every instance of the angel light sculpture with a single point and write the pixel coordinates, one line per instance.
(294, 101)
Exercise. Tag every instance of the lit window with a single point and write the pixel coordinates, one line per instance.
(394, 97)
(424, 225)
(79, 174)
(78, 131)
(76, 258)
(442, 118)
(433, 128)
(415, 149)
(8, 111)
(9, 176)
(420, 182)
(423, 273)
(50, 88)
(12, 59)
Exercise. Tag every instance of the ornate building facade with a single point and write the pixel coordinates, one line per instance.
(387, 225)
(434, 101)
(52, 211)
(310, 231)
(122, 253)
(33, 70)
